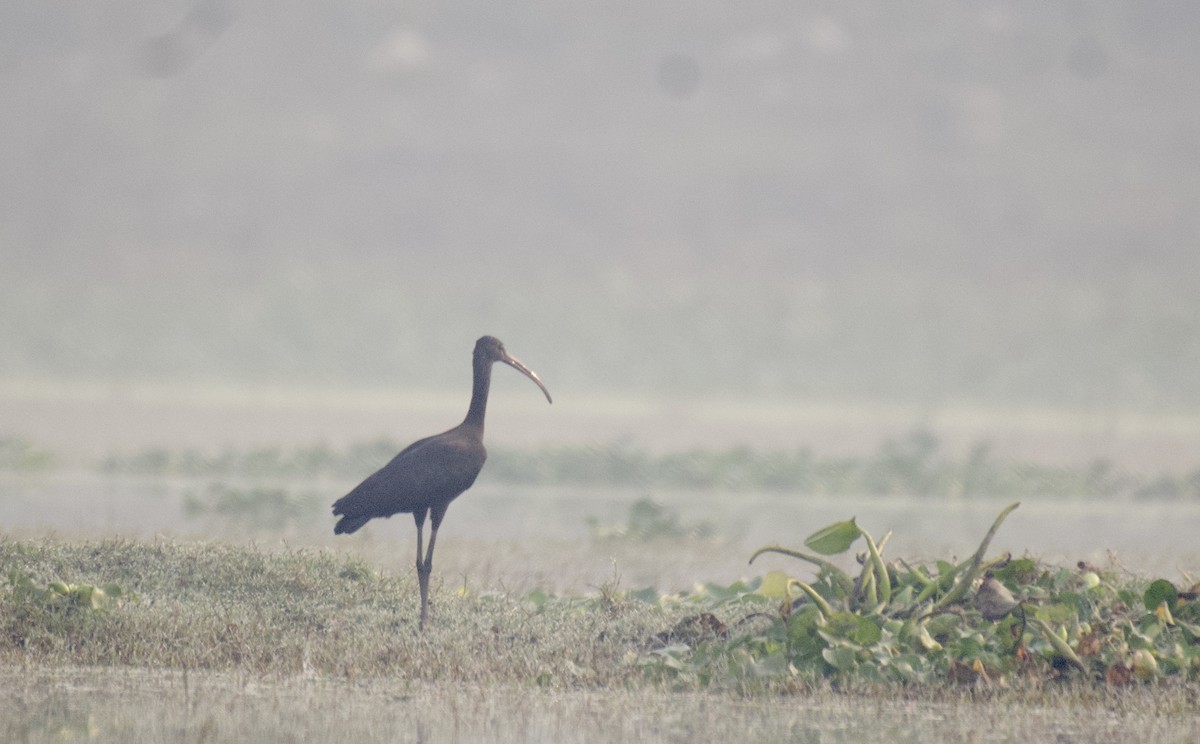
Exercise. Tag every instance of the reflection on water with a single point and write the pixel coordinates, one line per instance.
(1147, 536)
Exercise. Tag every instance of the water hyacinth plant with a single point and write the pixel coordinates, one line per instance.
(982, 621)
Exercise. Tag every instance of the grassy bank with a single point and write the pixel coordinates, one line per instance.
(217, 607)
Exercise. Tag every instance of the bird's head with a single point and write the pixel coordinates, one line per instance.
(489, 349)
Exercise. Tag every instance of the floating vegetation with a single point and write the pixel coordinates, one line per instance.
(992, 622)
(911, 465)
(19, 455)
(649, 520)
(262, 462)
(254, 507)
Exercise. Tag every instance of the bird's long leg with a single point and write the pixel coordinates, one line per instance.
(422, 572)
(425, 570)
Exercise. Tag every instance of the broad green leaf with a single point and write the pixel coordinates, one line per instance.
(841, 625)
(842, 658)
(802, 635)
(1059, 612)
(867, 633)
(1158, 592)
(1081, 604)
(774, 585)
(854, 628)
(1145, 666)
(1017, 571)
(834, 539)
(942, 624)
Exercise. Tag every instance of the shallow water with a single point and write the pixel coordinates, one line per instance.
(504, 536)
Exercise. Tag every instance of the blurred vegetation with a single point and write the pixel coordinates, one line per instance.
(254, 507)
(267, 462)
(650, 520)
(911, 465)
(20, 455)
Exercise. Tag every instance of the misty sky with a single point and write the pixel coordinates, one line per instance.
(990, 201)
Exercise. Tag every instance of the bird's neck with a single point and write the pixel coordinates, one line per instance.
(479, 395)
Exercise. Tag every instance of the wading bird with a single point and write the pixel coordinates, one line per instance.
(430, 473)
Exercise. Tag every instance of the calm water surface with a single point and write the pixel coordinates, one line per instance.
(1145, 536)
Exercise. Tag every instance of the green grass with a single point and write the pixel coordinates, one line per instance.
(216, 642)
(218, 607)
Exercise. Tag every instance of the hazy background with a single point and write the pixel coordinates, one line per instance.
(729, 216)
(245, 225)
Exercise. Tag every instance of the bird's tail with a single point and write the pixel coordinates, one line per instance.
(349, 524)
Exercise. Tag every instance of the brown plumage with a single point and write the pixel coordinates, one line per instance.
(430, 473)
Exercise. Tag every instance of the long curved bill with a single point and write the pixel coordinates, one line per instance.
(528, 373)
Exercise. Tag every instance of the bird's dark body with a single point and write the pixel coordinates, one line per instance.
(430, 473)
